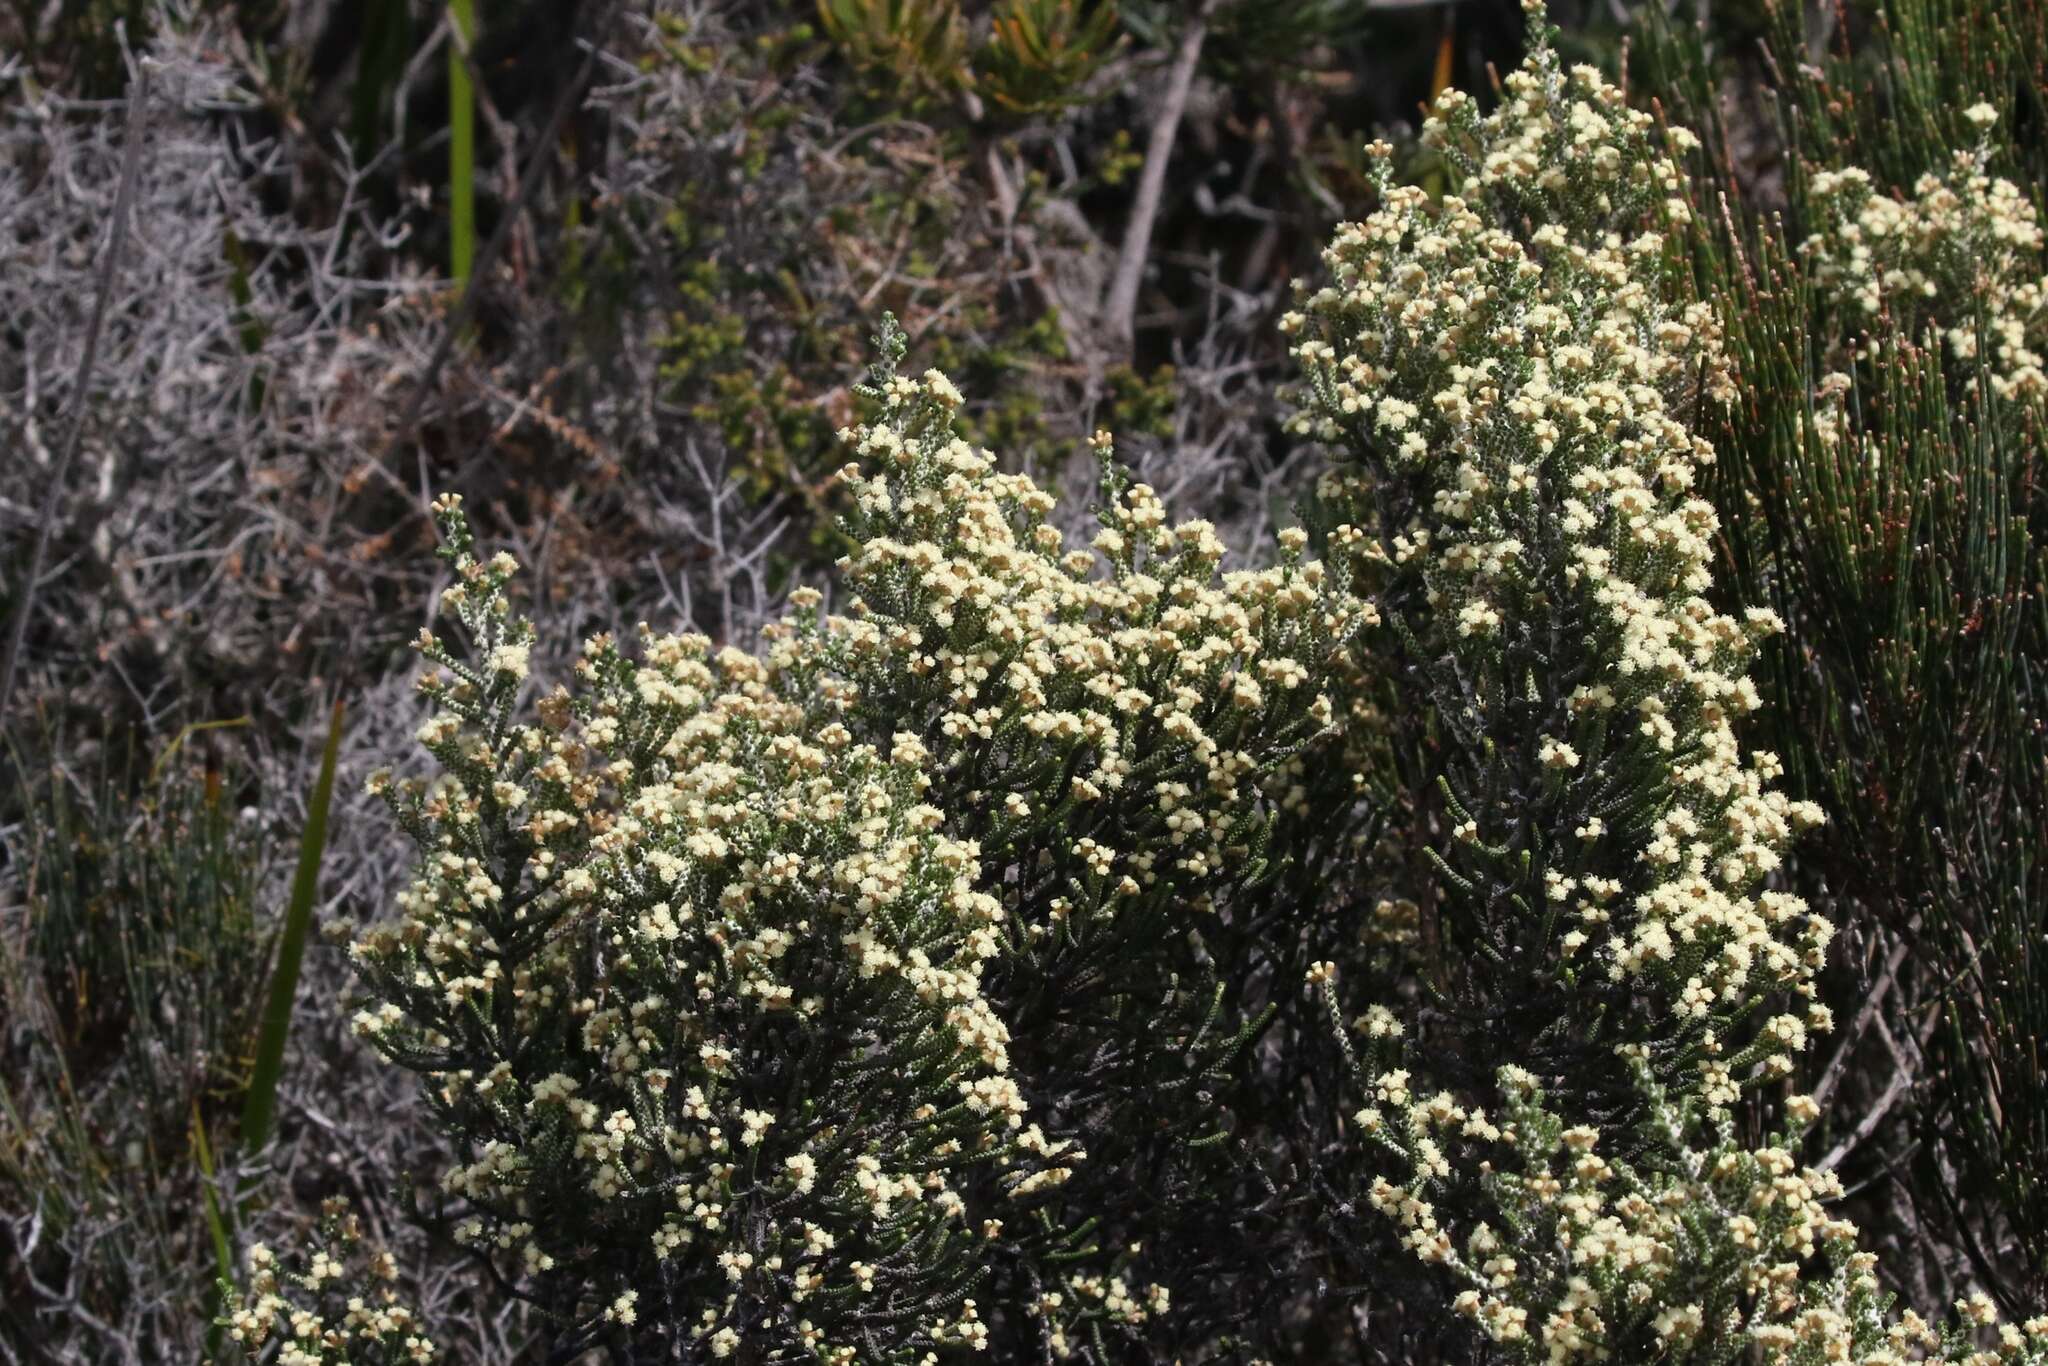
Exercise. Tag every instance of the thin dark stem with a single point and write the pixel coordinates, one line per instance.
(1120, 308)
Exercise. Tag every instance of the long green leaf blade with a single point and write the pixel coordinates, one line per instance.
(260, 1106)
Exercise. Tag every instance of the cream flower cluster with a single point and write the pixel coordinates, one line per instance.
(1519, 399)
(339, 1306)
(1725, 1250)
(1089, 1302)
(1961, 258)
(1511, 368)
(1125, 722)
(694, 977)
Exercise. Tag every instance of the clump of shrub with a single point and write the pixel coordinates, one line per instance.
(1510, 369)
(927, 981)
(694, 966)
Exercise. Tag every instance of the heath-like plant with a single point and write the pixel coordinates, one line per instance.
(1125, 733)
(695, 969)
(333, 1303)
(693, 976)
(1510, 372)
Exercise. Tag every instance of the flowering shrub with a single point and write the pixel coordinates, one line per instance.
(645, 968)
(1525, 507)
(924, 982)
(1125, 736)
(336, 1306)
(694, 969)
(1964, 235)
(1509, 371)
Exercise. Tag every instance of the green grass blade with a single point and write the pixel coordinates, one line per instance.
(260, 1106)
(461, 141)
(223, 1258)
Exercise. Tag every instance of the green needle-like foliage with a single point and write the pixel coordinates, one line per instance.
(1881, 474)
(128, 989)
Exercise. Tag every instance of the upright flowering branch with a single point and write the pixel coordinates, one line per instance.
(692, 977)
(1133, 742)
(1509, 372)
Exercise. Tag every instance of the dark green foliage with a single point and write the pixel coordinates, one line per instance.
(129, 976)
(1909, 697)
